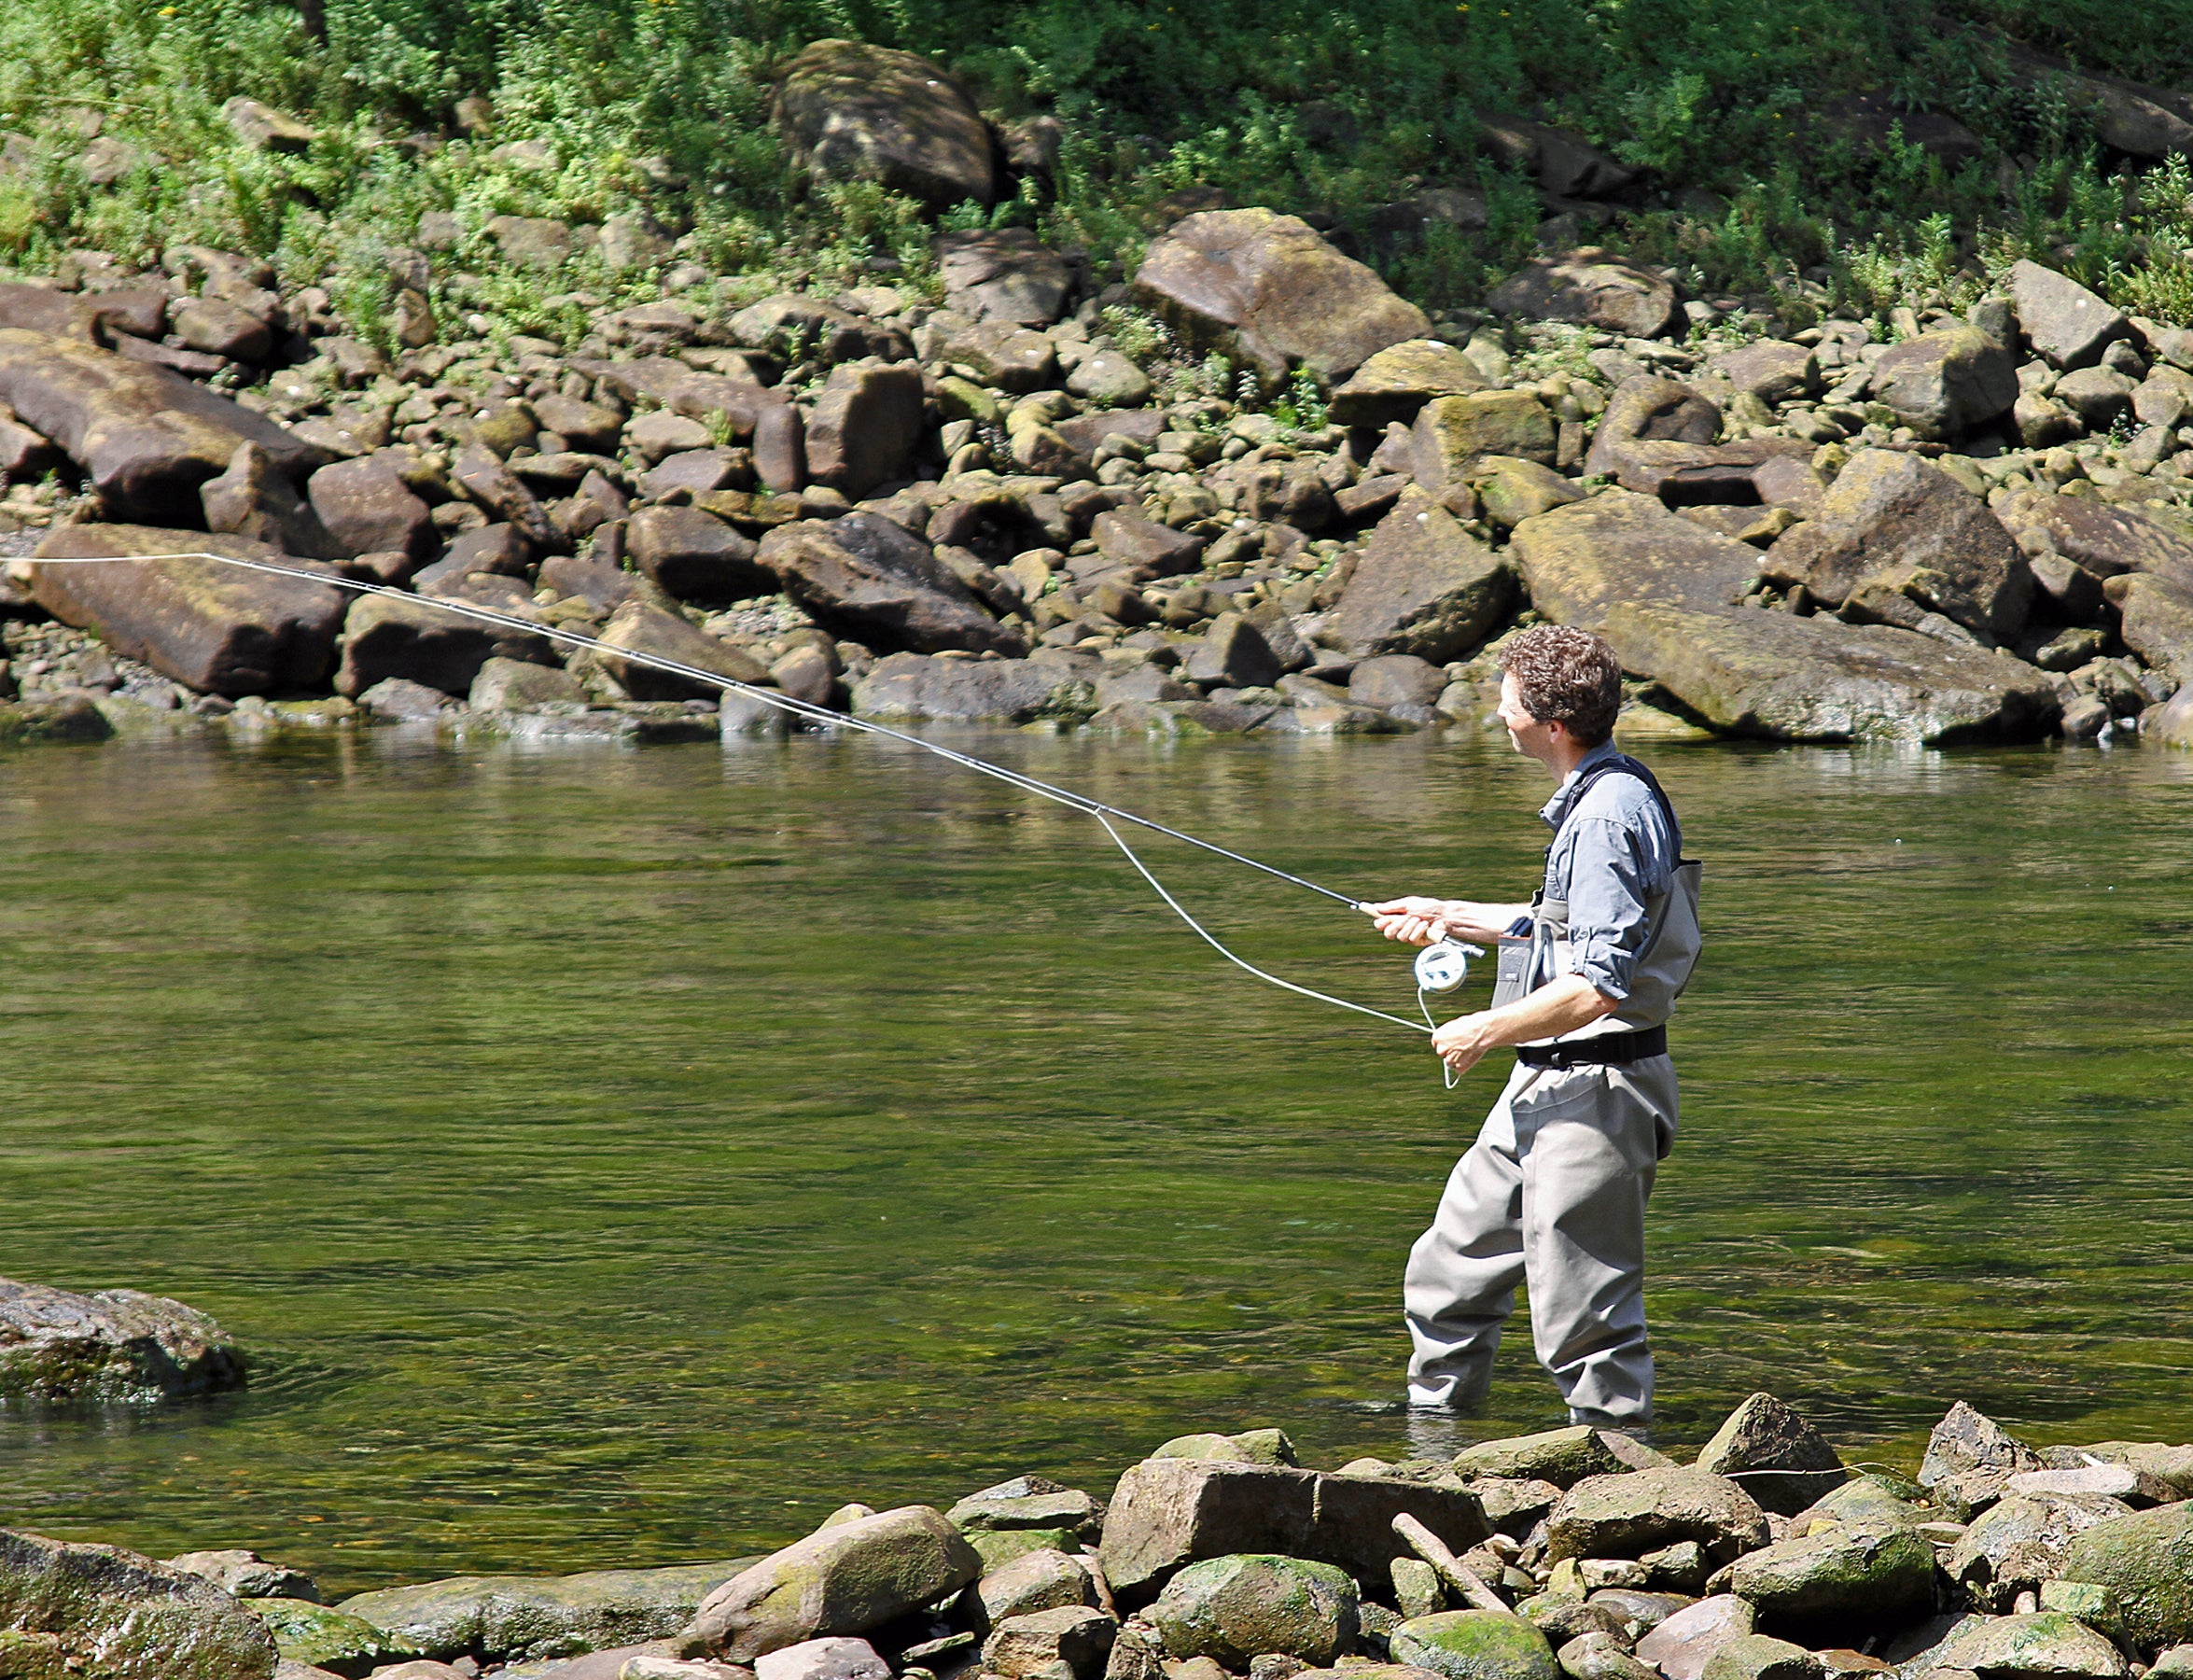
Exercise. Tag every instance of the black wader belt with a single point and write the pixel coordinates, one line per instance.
(1610, 1049)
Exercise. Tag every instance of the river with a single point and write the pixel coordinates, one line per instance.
(616, 1156)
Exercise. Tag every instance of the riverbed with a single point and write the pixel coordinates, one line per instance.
(615, 1156)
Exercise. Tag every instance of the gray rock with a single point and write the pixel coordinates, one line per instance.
(999, 1549)
(1269, 289)
(1169, 1512)
(1969, 1458)
(1391, 680)
(514, 685)
(243, 1573)
(1755, 1657)
(1561, 161)
(1027, 1502)
(2100, 397)
(848, 111)
(388, 635)
(1593, 288)
(695, 556)
(1045, 1579)
(1423, 586)
(1005, 358)
(1003, 275)
(216, 628)
(2145, 1563)
(1071, 1642)
(915, 686)
(114, 1345)
(1681, 1645)
(495, 487)
(1625, 1515)
(1234, 1608)
(865, 425)
(1233, 654)
(2027, 1648)
(1854, 1575)
(1562, 1457)
(1944, 384)
(2064, 322)
(1109, 380)
(97, 1610)
(870, 580)
(536, 241)
(836, 1658)
(2015, 1544)
(1601, 1657)
(216, 327)
(1619, 549)
(1773, 1454)
(1773, 371)
(1455, 436)
(402, 701)
(2156, 622)
(1147, 549)
(1476, 1645)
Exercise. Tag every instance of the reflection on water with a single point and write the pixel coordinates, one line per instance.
(616, 1156)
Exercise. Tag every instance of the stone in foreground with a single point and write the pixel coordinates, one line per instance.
(1474, 1645)
(1071, 1642)
(117, 1344)
(1864, 1575)
(2037, 1646)
(1626, 1516)
(100, 1611)
(848, 111)
(329, 1639)
(1782, 1461)
(2020, 1541)
(521, 1617)
(2145, 1560)
(1755, 1657)
(216, 628)
(1234, 1608)
(1268, 288)
(391, 635)
(1681, 1645)
(846, 1579)
(836, 1658)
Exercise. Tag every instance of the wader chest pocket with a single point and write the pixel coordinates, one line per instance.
(1511, 975)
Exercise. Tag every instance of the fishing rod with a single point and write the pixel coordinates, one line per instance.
(1439, 967)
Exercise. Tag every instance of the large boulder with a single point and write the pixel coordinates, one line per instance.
(145, 438)
(1895, 524)
(1071, 1642)
(1268, 289)
(1881, 1574)
(1768, 674)
(914, 687)
(694, 556)
(1234, 1608)
(217, 628)
(254, 498)
(498, 1619)
(1628, 1515)
(2102, 537)
(387, 636)
(1453, 434)
(1616, 548)
(2065, 324)
(865, 425)
(2145, 1560)
(1474, 1645)
(1045, 1578)
(844, 1579)
(1970, 1459)
(1422, 585)
(848, 111)
(867, 578)
(1169, 1512)
(101, 1612)
(1592, 288)
(2017, 1543)
(1943, 383)
(117, 1344)
(1782, 1461)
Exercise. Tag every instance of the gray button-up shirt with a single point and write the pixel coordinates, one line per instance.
(1616, 851)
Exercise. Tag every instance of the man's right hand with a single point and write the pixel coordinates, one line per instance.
(1418, 921)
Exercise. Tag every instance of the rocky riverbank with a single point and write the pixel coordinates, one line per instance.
(1251, 490)
(1577, 1554)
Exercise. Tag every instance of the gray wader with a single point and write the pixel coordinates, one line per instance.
(1552, 1193)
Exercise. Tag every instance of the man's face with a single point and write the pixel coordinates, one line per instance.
(1529, 736)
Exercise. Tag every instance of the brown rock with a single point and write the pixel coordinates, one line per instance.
(366, 507)
(1942, 385)
(865, 425)
(1268, 289)
(1454, 435)
(215, 628)
(1147, 549)
(1581, 560)
(1771, 369)
(870, 580)
(1561, 161)
(1423, 586)
(1397, 382)
(218, 328)
(2158, 622)
(391, 635)
(695, 556)
(638, 629)
(1649, 408)
(1003, 275)
(2103, 538)
(848, 111)
(1593, 288)
(256, 499)
(493, 486)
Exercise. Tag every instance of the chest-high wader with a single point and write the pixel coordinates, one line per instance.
(1672, 937)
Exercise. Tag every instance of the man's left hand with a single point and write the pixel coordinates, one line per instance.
(1461, 1044)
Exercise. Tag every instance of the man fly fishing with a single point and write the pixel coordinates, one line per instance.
(1553, 1192)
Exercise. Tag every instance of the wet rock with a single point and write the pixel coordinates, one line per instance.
(1593, 288)
(1563, 1457)
(2027, 1648)
(1970, 1457)
(1771, 675)
(1003, 275)
(113, 1345)
(1267, 290)
(1944, 384)
(1846, 1575)
(72, 717)
(1167, 1512)
(1893, 522)
(246, 1575)
(1476, 1645)
(914, 686)
(389, 635)
(1233, 654)
(2145, 1563)
(368, 507)
(97, 1610)
(865, 425)
(1045, 1579)
(1071, 1642)
(1234, 1608)
(146, 436)
(2014, 1545)
(517, 685)
(1393, 385)
(1583, 560)
(1624, 1515)
(1777, 1457)
(516, 1617)
(254, 498)
(847, 111)
(1755, 1657)
(328, 1639)
(1681, 1645)
(823, 1659)
(2065, 324)
(695, 556)
(1453, 435)
(215, 628)
(1423, 586)
(866, 578)
(1250, 1447)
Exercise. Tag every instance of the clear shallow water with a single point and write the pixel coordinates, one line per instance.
(629, 1157)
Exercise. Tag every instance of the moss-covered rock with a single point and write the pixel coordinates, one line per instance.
(1250, 1447)
(1250, 1605)
(2014, 1545)
(514, 1617)
(1782, 1461)
(1626, 1516)
(2043, 1645)
(1476, 1645)
(2146, 1561)
(1870, 1575)
(1563, 1457)
(999, 1548)
(324, 1638)
(96, 1610)
(118, 1344)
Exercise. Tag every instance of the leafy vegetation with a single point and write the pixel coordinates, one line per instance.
(1724, 106)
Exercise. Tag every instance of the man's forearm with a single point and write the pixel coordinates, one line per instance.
(1465, 919)
(1561, 1005)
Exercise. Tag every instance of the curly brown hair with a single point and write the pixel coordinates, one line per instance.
(1568, 676)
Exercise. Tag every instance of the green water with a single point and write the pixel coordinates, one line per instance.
(616, 1156)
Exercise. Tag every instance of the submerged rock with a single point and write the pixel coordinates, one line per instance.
(117, 1344)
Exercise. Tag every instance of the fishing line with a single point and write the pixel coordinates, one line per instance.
(809, 711)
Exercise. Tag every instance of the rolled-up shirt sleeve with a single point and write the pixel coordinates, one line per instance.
(1608, 919)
